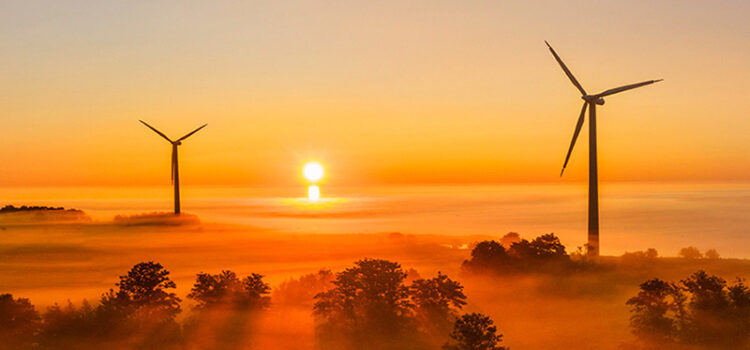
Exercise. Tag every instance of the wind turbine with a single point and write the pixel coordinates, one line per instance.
(591, 101)
(175, 168)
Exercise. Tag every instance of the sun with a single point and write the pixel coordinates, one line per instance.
(313, 171)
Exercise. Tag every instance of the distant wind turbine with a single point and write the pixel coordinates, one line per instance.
(591, 101)
(175, 168)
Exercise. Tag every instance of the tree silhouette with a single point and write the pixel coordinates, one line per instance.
(18, 322)
(225, 289)
(711, 254)
(373, 287)
(544, 247)
(709, 308)
(543, 254)
(144, 292)
(68, 327)
(510, 238)
(651, 307)
(690, 253)
(474, 332)
(739, 295)
(437, 302)
(226, 308)
(701, 310)
(707, 291)
(368, 307)
(438, 297)
(302, 291)
(488, 255)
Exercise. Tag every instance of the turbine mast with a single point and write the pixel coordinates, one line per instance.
(176, 172)
(175, 167)
(592, 247)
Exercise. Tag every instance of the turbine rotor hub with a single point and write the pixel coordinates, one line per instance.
(593, 99)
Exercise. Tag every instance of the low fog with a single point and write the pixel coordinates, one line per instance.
(533, 304)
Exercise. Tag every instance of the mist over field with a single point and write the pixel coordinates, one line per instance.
(59, 262)
(635, 216)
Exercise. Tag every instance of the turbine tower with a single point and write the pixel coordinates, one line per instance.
(591, 101)
(175, 168)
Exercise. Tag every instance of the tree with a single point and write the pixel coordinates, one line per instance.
(226, 308)
(709, 308)
(438, 295)
(144, 292)
(437, 301)
(372, 286)
(651, 307)
(368, 307)
(701, 310)
(711, 254)
(707, 291)
(487, 255)
(546, 247)
(543, 254)
(225, 289)
(18, 321)
(739, 295)
(68, 327)
(639, 259)
(510, 238)
(301, 291)
(474, 332)
(690, 253)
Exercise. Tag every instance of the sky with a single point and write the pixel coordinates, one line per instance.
(387, 92)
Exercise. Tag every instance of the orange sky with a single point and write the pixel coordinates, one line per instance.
(380, 92)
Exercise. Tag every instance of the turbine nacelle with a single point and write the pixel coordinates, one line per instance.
(593, 99)
(177, 143)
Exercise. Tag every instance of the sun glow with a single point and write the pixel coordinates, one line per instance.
(313, 171)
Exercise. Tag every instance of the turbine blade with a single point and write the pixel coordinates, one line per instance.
(567, 71)
(627, 87)
(156, 131)
(575, 136)
(192, 132)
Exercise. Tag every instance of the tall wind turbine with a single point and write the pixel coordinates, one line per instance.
(591, 101)
(175, 168)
